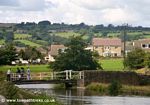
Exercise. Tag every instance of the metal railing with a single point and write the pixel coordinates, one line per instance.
(63, 75)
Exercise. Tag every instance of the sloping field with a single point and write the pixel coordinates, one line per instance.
(27, 42)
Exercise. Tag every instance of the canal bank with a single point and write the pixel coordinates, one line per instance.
(82, 96)
(13, 95)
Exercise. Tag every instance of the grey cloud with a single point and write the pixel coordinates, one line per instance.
(9, 2)
(25, 5)
(97, 4)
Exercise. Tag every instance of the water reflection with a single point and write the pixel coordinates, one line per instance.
(82, 97)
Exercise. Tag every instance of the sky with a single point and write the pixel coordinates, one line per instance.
(92, 12)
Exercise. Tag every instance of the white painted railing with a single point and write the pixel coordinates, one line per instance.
(66, 75)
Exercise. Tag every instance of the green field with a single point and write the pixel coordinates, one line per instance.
(67, 34)
(33, 68)
(27, 42)
(2, 42)
(114, 34)
(112, 64)
(21, 36)
(42, 42)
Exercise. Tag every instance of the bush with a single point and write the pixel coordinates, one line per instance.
(98, 87)
(114, 88)
(135, 59)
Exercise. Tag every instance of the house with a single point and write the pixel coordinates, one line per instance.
(144, 44)
(89, 48)
(54, 51)
(107, 46)
(128, 47)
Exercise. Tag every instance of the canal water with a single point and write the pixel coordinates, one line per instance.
(82, 97)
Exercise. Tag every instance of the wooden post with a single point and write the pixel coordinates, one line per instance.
(80, 75)
(66, 74)
(70, 74)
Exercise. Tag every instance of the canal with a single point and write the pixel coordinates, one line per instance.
(82, 97)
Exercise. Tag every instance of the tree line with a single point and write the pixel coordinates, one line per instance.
(8, 53)
(137, 59)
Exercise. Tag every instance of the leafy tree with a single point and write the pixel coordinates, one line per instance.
(75, 57)
(135, 59)
(44, 23)
(7, 54)
(104, 34)
(9, 37)
(30, 53)
(147, 59)
(1, 35)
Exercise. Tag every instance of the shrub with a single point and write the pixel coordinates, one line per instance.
(135, 59)
(98, 87)
(114, 88)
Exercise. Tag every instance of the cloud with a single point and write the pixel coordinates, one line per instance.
(97, 4)
(9, 3)
(135, 12)
(119, 15)
(32, 5)
(25, 5)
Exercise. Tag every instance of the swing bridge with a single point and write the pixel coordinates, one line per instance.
(66, 77)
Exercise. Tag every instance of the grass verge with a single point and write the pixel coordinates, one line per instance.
(112, 64)
(33, 68)
(103, 89)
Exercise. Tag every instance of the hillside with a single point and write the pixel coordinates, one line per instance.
(44, 34)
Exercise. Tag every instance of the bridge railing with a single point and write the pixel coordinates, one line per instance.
(63, 75)
(68, 74)
(16, 76)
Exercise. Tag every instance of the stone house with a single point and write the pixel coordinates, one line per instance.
(144, 44)
(107, 46)
(54, 51)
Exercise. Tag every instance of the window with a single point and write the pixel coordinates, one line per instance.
(107, 47)
(115, 54)
(143, 45)
(96, 47)
(116, 47)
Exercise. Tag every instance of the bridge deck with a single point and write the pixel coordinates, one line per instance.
(44, 81)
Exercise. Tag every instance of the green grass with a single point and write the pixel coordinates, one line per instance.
(135, 33)
(42, 42)
(2, 42)
(21, 36)
(33, 68)
(112, 64)
(67, 34)
(27, 42)
(146, 36)
(125, 90)
(114, 34)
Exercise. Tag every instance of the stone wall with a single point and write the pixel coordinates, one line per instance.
(128, 78)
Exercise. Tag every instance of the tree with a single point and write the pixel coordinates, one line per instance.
(7, 54)
(147, 59)
(135, 59)
(75, 57)
(1, 36)
(44, 23)
(9, 37)
(104, 34)
(30, 53)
